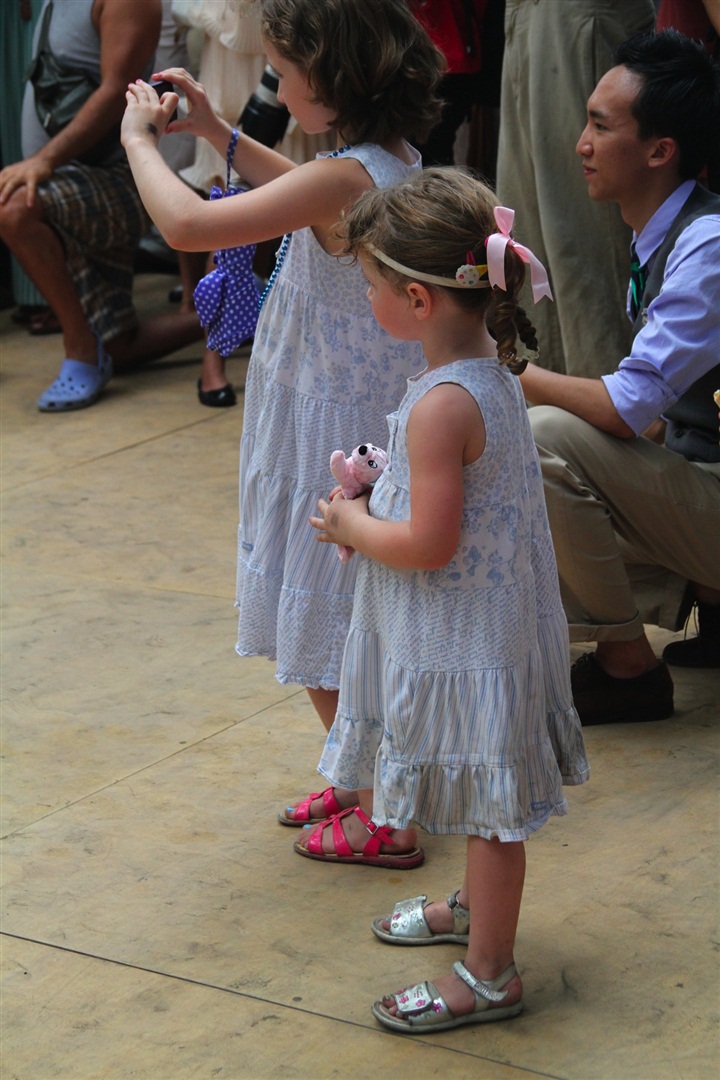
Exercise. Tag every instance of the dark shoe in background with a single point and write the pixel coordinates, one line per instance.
(43, 323)
(224, 398)
(23, 313)
(702, 651)
(601, 699)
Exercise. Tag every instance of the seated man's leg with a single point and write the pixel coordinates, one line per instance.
(78, 245)
(39, 250)
(608, 498)
(101, 219)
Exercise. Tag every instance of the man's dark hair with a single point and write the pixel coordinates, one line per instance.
(680, 96)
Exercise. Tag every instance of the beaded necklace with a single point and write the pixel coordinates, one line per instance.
(282, 253)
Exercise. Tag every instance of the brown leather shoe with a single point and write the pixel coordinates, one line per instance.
(601, 699)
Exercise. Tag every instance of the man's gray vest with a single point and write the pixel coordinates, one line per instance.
(692, 428)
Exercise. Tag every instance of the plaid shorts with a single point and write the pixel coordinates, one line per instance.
(99, 216)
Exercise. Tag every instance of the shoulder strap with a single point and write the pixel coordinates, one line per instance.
(232, 147)
(44, 35)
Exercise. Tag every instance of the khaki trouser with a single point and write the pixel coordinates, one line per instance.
(631, 523)
(556, 51)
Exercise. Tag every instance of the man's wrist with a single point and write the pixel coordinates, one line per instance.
(46, 160)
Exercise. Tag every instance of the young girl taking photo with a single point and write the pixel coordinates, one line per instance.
(322, 375)
(455, 708)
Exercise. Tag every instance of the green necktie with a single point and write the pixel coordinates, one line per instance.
(638, 278)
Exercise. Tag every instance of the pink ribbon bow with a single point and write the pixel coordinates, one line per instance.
(496, 244)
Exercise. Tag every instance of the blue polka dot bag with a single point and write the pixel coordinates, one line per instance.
(227, 299)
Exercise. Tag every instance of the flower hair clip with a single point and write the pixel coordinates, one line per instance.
(496, 244)
(469, 274)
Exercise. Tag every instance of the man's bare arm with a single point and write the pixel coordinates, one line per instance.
(129, 31)
(586, 398)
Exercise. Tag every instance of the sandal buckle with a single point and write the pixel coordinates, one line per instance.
(369, 824)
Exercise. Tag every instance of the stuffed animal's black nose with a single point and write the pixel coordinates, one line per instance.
(362, 450)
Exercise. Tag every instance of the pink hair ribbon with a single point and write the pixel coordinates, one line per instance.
(496, 244)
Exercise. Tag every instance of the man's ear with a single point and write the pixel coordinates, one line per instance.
(421, 300)
(664, 152)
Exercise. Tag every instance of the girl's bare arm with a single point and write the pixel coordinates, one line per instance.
(307, 195)
(445, 432)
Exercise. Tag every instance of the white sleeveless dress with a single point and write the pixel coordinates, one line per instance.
(455, 700)
(322, 377)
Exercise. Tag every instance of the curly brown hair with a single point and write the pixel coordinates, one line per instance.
(370, 60)
(429, 223)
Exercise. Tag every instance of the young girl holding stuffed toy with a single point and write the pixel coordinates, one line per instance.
(455, 708)
(322, 374)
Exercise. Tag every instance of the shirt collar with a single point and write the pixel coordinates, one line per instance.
(651, 237)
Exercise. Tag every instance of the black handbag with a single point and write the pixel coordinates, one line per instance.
(60, 93)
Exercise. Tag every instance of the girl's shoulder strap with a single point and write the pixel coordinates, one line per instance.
(475, 374)
(384, 168)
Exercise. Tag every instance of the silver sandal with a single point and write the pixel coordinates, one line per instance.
(421, 1008)
(408, 925)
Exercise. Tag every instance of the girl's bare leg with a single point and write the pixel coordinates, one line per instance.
(212, 375)
(326, 703)
(494, 884)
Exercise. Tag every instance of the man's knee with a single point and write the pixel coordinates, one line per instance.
(16, 215)
(556, 430)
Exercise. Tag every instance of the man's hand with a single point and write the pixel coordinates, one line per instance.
(27, 174)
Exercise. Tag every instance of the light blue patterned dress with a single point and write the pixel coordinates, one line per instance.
(455, 701)
(323, 377)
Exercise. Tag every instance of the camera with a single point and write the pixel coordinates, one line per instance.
(162, 86)
(264, 118)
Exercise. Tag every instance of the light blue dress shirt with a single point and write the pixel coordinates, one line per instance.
(681, 339)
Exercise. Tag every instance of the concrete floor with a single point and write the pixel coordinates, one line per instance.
(157, 924)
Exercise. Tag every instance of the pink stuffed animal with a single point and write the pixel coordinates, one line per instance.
(356, 474)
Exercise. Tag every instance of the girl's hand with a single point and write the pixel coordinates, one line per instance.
(334, 526)
(201, 120)
(146, 116)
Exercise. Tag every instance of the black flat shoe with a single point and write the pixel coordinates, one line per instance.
(702, 651)
(23, 313)
(602, 699)
(217, 399)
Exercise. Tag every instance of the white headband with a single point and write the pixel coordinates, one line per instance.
(469, 275)
(466, 277)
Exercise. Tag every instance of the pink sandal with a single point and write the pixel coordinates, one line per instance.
(302, 811)
(370, 854)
